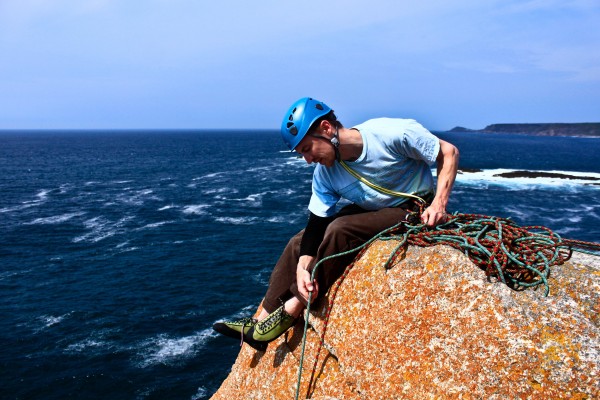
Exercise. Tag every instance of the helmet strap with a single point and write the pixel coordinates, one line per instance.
(335, 142)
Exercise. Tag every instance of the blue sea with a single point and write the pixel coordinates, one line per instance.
(120, 249)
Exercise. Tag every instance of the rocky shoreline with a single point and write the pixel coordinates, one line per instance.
(585, 129)
(535, 174)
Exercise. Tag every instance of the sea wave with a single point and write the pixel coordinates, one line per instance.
(56, 219)
(196, 209)
(220, 190)
(97, 342)
(238, 220)
(138, 197)
(85, 345)
(102, 228)
(155, 225)
(44, 322)
(39, 198)
(528, 178)
(200, 394)
(166, 350)
(21, 207)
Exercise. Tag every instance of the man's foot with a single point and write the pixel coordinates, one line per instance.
(235, 329)
(269, 329)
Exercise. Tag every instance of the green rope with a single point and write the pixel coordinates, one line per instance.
(520, 257)
(312, 278)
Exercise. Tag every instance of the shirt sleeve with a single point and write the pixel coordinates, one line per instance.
(313, 234)
(418, 143)
(324, 199)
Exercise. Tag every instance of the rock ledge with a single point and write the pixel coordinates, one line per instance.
(434, 326)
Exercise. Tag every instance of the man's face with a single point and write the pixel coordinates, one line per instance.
(316, 150)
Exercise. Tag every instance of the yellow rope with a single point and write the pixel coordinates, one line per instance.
(377, 187)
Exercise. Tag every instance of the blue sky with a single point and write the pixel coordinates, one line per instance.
(238, 64)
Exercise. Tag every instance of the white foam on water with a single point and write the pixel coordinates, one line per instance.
(286, 192)
(101, 228)
(196, 209)
(201, 393)
(569, 178)
(64, 188)
(514, 212)
(211, 175)
(123, 249)
(95, 342)
(278, 220)
(237, 220)
(265, 168)
(24, 206)
(86, 345)
(127, 249)
(167, 207)
(138, 197)
(56, 219)
(48, 321)
(40, 198)
(155, 225)
(255, 200)
(220, 190)
(9, 274)
(168, 351)
(298, 162)
(42, 195)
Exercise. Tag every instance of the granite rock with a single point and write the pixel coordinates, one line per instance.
(434, 326)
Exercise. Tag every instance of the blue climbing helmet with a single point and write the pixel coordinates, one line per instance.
(299, 118)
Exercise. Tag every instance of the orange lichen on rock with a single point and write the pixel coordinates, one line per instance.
(434, 326)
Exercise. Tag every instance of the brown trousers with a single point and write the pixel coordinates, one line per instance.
(352, 227)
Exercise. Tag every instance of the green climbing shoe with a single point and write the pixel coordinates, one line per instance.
(269, 329)
(235, 329)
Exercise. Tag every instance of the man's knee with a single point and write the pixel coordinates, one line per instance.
(339, 226)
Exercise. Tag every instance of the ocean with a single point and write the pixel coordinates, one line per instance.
(120, 249)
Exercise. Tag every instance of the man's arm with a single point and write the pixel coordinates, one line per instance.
(311, 240)
(447, 166)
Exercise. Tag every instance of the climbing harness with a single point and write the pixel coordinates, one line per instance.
(520, 257)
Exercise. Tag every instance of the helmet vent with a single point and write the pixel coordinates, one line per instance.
(319, 106)
(292, 129)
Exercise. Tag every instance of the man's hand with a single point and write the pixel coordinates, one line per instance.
(434, 215)
(303, 281)
(447, 165)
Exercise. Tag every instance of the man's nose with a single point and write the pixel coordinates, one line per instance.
(308, 158)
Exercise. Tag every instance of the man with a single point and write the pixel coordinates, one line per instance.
(395, 154)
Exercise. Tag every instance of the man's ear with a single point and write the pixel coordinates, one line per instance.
(325, 128)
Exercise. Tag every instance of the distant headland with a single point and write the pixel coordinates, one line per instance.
(586, 129)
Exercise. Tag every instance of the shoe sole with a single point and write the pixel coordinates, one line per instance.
(255, 344)
(223, 329)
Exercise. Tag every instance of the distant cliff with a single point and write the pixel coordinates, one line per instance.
(589, 129)
(434, 326)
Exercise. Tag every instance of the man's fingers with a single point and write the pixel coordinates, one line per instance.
(431, 218)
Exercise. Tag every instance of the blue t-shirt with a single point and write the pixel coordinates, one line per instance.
(397, 154)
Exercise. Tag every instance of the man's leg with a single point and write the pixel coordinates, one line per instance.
(348, 232)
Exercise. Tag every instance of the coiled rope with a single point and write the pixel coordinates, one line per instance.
(521, 257)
